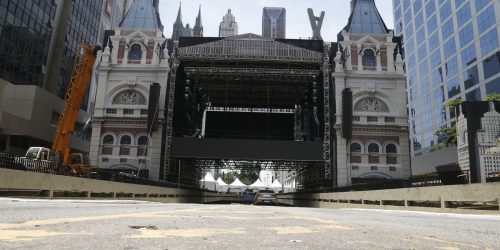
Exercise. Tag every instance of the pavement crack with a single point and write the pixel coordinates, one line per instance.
(144, 227)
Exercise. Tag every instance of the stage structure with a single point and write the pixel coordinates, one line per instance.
(249, 100)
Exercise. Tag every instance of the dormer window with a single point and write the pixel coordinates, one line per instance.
(369, 58)
(135, 52)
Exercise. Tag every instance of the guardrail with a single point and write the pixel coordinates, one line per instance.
(478, 196)
(9, 161)
(428, 180)
(24, 183)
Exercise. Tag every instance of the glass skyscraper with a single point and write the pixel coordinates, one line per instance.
(274, 22)
(26, 34)
(25, 30)
(39, 43)
(452, 51)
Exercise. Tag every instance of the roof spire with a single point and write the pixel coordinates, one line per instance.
(179, 15)
(198, 19)
(142, 14)
(198, 26)
(365, 19)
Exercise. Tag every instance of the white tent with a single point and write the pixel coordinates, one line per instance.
(237, 183)
(276, 186)
(258, 184)
(208, 177)
(208, 182)
(221, 185)
(237, 186)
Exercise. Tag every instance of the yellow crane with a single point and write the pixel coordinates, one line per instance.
(78, 163)
(73, 100)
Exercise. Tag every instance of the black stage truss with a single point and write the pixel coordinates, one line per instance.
(250, 88)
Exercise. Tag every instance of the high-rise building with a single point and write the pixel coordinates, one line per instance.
(228, 26)
(372, 121)
(274, 22)
(39, 42)
(478, 131)
(78, 23)
(451, 51)
(25, 32)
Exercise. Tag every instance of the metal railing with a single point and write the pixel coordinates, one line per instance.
(10, 161)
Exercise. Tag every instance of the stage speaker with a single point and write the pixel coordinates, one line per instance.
(347, 114)
(153, 108)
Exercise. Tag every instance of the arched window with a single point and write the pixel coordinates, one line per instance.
(108, 139)
(129, 97)
(135, 52)
(369, 58)
(143, 140)
(125, 140)
(371, 104)
(355, 148)
(391, 149)
(373, 148)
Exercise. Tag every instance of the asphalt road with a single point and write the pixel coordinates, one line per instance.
(65, 224)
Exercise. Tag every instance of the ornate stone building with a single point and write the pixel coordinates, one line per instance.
(367, 63)
(228, 26)
(133, 59)
(179, 30)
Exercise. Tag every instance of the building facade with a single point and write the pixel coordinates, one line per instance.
(370, 85)
(274, 22)
(24, 41)
(477, 133)
(39, 41)
(134, 60)
(228, 27)
(451, 51)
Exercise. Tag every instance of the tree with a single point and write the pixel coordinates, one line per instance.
(450, 134)
(493, 97)
(229, 177)
(249, 172)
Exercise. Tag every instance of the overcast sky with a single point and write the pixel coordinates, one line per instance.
(248, 14)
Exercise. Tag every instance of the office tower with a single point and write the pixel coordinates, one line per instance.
(371, 119)
(228, 26)
(274, 22)
(39, 42)
(451, 51)
(478, 140)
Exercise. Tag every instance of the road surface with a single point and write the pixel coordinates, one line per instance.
(82, 224)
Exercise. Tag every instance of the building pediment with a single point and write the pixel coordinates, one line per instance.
(249, 47)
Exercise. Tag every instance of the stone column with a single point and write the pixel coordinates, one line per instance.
(378, 56)
(95, 141)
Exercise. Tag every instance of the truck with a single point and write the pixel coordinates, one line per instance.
(72, 162)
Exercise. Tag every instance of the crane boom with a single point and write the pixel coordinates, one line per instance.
(78, 86)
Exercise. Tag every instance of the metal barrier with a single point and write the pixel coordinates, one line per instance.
(9, 161)
(466, 196)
